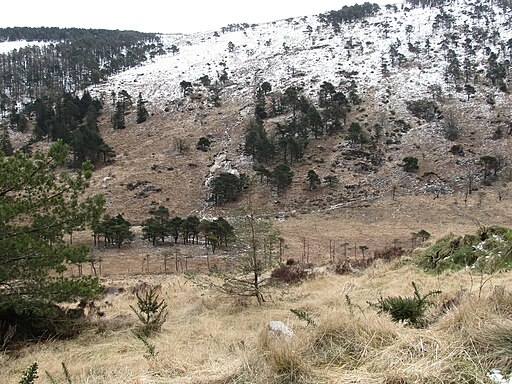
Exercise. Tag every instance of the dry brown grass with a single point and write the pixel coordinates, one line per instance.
(210, 338)
(381, 222)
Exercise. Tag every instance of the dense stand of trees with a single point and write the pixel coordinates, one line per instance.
(72, 60)
(160, 226)
(227, 187)
(70, 34)
(115, 230)
(73, 120)
(427, 3)
(290, 138)
(286, 143)
(463, 45)
(349, 13)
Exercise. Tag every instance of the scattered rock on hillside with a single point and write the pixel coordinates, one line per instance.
(278, 329)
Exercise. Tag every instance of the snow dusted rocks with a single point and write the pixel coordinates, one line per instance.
(496, 376)
(278, 329)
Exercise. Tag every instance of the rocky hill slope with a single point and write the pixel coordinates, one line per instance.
(433, 84)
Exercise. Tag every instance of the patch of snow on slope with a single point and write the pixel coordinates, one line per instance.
(8, 46)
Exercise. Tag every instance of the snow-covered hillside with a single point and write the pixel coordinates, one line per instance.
(305, 52)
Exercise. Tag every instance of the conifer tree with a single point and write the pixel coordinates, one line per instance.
(117, 230)
(142, 112)
(118, 121)
(37, 208)
(313, 179)
(5, 142)
(282, 177)
(226, 187)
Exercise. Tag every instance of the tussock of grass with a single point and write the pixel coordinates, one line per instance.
(276, 360)
(285, 359)
(492, 343)
(501, 299)
(345, 340)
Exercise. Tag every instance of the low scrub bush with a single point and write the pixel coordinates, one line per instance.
(424, 109)
(349, 266)
(488, 251)
(39, 322)
(408, 309)
(410, 164)
(389, 253)
(294, 273)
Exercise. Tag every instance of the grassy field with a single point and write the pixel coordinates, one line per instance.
(381, 223)
(211, 338)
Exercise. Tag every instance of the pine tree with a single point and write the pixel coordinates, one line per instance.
(257, 144)
(107, 152)
(356, 134)
(266, 87)
(22, 124)
(43, 120)
(142, 112)
(118, 121)
(282, 177)
(37, 208)
(469, 89)
(259, 109)
(313, 179)
(5, 142)
(496, 71)
(453, 71)
(175, 226)
(125, 99)
(325, 94)
(226, 187)
(315, 121)
(117, 230)
(157, 227)
(331, 180)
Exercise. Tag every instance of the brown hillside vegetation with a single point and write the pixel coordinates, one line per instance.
(148, 157)
(382, 223)
(150, 170)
